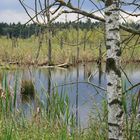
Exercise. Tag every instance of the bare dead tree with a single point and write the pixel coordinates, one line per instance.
(43, 15)
(49, 33)
(40, 41)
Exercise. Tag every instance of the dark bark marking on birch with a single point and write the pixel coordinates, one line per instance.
(120, 114)
(115, 101)
(118, 43)
(119, 52)
(119, 87)
(108, 47)
(108, 13)
(115, 9)
(110, 21)
(114, 29)
(109, 84)
(108, 2)
(113, 124)
(111, 65)
(110, 39)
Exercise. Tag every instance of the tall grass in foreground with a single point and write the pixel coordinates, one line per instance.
(132, 123)
(98, 124)
(56, 122)
(51, 122)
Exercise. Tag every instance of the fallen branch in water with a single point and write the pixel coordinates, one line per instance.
(64, 65)
(84, 82)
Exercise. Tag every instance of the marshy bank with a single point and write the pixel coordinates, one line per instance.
(34, 50)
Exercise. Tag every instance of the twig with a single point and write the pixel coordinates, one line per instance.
(138, 84)
(80, 82)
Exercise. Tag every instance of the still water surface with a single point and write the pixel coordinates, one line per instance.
(82, 96)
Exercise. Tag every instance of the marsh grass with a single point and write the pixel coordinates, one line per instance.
(27, 90)
(55, 121)
(130, 106)
(26, 50)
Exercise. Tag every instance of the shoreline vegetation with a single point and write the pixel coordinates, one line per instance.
(25, 45)
(27, 52)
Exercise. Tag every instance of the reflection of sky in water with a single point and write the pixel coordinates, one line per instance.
(87, 95)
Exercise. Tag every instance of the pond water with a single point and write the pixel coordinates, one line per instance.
(82, 95)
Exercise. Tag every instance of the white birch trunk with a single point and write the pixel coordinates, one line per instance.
(113, 73)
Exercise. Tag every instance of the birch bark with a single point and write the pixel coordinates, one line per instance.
(113, 72)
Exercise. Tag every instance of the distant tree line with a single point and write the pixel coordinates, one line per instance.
(18, 30)
(25, 31)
